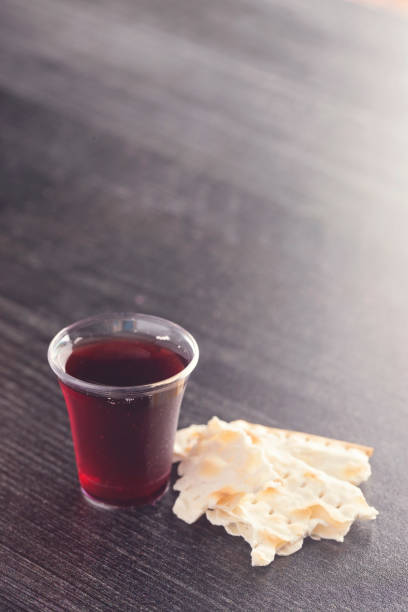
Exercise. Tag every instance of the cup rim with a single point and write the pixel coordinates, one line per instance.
(99, 389)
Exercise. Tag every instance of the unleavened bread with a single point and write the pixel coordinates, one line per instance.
(273, 487)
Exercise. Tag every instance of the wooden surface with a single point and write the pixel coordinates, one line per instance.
(240, 167)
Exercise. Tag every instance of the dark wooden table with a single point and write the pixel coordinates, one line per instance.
(238, 166)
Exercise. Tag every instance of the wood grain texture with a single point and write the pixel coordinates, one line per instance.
(241, 168)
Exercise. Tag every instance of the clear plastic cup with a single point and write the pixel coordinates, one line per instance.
(123, 434)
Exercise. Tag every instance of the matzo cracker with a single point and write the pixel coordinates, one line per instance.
(270, 486)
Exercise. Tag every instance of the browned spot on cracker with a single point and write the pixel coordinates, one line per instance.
(211, 467)
(351, 472)
(310, 475)
(228, 436)
(273, 540)
(270, 490)
(227, 496)
(255, 439)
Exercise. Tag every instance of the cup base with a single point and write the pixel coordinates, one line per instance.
(104, 505)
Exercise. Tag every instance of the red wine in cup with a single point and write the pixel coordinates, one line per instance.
(123, 446)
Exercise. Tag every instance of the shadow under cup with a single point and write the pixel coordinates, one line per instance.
(123, 435)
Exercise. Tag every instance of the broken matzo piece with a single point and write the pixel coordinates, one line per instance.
(259, 484)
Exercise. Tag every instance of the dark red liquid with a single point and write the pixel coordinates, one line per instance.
(124, 445)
